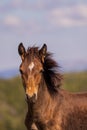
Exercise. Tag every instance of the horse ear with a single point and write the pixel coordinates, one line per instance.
(43, 52)
(21, 51)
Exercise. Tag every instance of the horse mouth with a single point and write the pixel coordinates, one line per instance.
(31, 99)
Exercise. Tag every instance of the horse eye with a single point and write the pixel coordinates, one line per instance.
(21, 71)
(41, 71)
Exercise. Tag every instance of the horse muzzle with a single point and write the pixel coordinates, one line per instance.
(31, 99)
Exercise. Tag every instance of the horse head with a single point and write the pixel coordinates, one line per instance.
(31, 69)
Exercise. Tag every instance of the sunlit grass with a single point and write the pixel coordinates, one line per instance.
(12, 104)
(75, 82)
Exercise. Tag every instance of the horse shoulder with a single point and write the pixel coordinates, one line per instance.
(72, 111)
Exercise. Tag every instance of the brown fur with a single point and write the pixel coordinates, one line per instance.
(54, 108)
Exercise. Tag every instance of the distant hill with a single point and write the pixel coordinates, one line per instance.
(9, 73)
(13, 106)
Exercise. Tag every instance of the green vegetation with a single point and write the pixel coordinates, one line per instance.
(75, 82)
(13, 107)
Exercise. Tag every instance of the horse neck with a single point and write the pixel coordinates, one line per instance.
(44, 97)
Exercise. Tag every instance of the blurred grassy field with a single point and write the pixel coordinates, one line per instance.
(13, 107)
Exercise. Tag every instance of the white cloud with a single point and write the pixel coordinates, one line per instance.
(11, 20)
(69, 16)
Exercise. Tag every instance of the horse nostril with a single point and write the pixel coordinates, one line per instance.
(34, 96)
(27, 96)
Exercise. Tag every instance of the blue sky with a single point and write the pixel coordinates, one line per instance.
(62, 24)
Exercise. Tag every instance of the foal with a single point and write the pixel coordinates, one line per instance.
(49, 106)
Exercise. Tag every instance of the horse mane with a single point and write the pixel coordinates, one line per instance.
(51, 75)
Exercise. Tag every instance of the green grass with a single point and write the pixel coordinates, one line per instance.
(12, 104)
(13, 107)
(75, 82)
